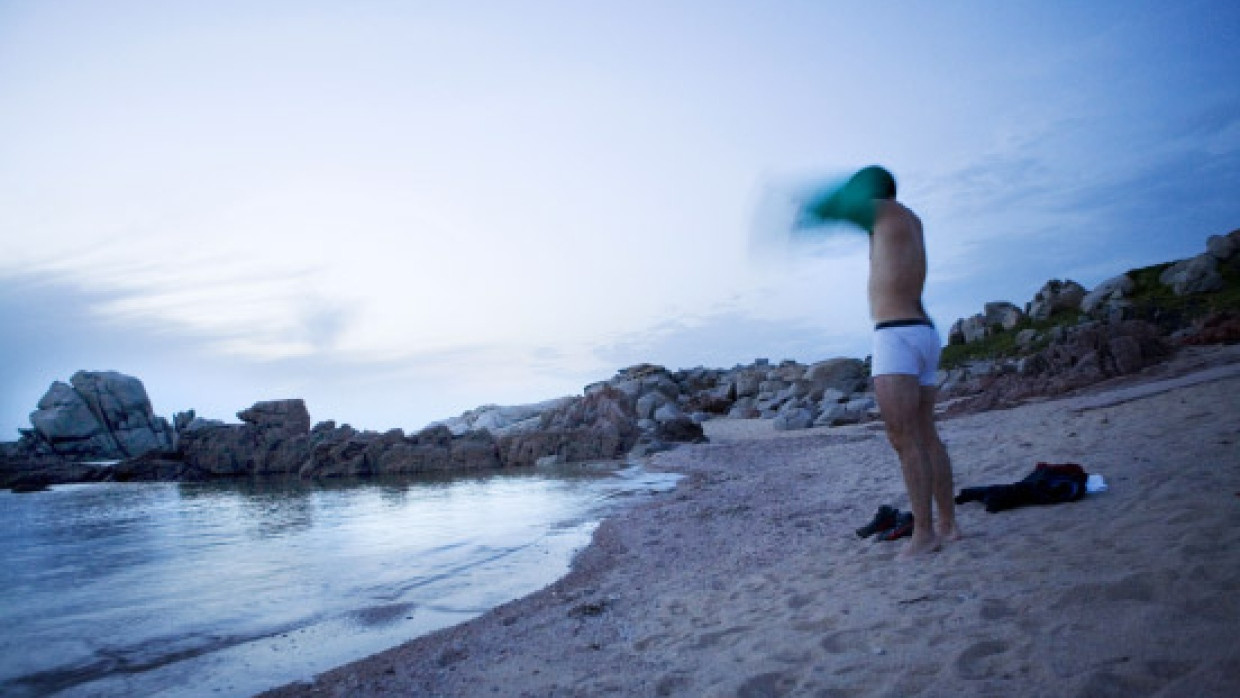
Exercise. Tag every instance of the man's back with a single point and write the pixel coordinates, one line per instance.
(897, 264)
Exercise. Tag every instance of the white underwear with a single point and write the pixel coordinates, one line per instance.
(907, 350)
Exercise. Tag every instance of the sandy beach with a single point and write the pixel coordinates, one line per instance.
(748, 579)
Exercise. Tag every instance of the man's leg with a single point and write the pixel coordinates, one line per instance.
(940, 469)
(899, 400)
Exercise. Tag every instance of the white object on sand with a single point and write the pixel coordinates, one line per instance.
(1095, 484)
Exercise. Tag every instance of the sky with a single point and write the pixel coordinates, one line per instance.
(399, 211)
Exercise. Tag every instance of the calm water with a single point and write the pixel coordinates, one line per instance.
(228, 589)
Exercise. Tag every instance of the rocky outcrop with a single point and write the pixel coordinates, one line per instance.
(1076, 357)
(274, 438)
(995, 317)
(101, 415)
(599, 426)
(346, 452)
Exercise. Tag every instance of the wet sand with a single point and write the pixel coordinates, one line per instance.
(748, 579)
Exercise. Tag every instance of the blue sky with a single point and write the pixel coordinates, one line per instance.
(402, 210)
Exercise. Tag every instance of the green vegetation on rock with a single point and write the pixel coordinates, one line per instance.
(1151, 300)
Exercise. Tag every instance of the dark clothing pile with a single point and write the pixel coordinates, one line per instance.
(1047, 484)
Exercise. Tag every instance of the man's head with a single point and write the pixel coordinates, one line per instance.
(873, 182)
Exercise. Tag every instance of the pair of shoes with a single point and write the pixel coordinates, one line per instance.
(884, 519)
(902, 528)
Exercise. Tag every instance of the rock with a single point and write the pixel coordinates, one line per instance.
(1107, 292)
(862, 408)
(746, 385)
(1077, 357)
(1197, 275)
(833, 415)
(498, 419)
(832, 395)
(599, 426)
(64, 419)
(648, 403)
(102, 415)
(668, 412)
(744, 408)
(955, 335)
(345, 452)
(1003, 315)
(974, 329)
(710, 402)
(798, 418)
(284, 417)
(1056, 296)
(1026, 338)
(1216, 328)
(1221, 247)
(843, 374)
(680, 430)
(124, 411)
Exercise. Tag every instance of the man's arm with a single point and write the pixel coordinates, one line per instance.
(841, 203)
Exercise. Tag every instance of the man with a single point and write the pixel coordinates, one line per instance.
(906, 347)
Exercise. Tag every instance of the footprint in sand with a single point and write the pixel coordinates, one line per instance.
(981, 660)
(846, 641)
(768, 685)
(672, 684)
(996, 609)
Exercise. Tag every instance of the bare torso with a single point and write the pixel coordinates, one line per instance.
(897, 264)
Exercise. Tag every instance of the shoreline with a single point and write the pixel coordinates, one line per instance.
(747, 578)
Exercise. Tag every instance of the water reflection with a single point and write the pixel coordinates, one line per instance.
(231, 587)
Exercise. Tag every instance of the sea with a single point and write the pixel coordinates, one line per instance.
(231, 588)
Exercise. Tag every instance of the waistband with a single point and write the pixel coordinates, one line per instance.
(904, 322)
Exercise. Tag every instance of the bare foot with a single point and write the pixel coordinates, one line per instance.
(918, 546)
(950, 533)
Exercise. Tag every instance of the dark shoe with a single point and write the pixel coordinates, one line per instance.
(902, 529)
(883, 519)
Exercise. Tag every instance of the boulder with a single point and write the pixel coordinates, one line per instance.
(833, 415)
(1054, 297)
(797, 418)
(64, 420)
(974, 329)
(744, 408)
(680, 430)
(843, 374)
(1002, 314)
(1107, 293)
(1026, 338)
(101, 414)
(955, 335)
(1197, 275)
(746, 384)
(647, 404)
(1222, 247)
(668, 412)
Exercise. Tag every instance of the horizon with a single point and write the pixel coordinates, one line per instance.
(400, 213)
